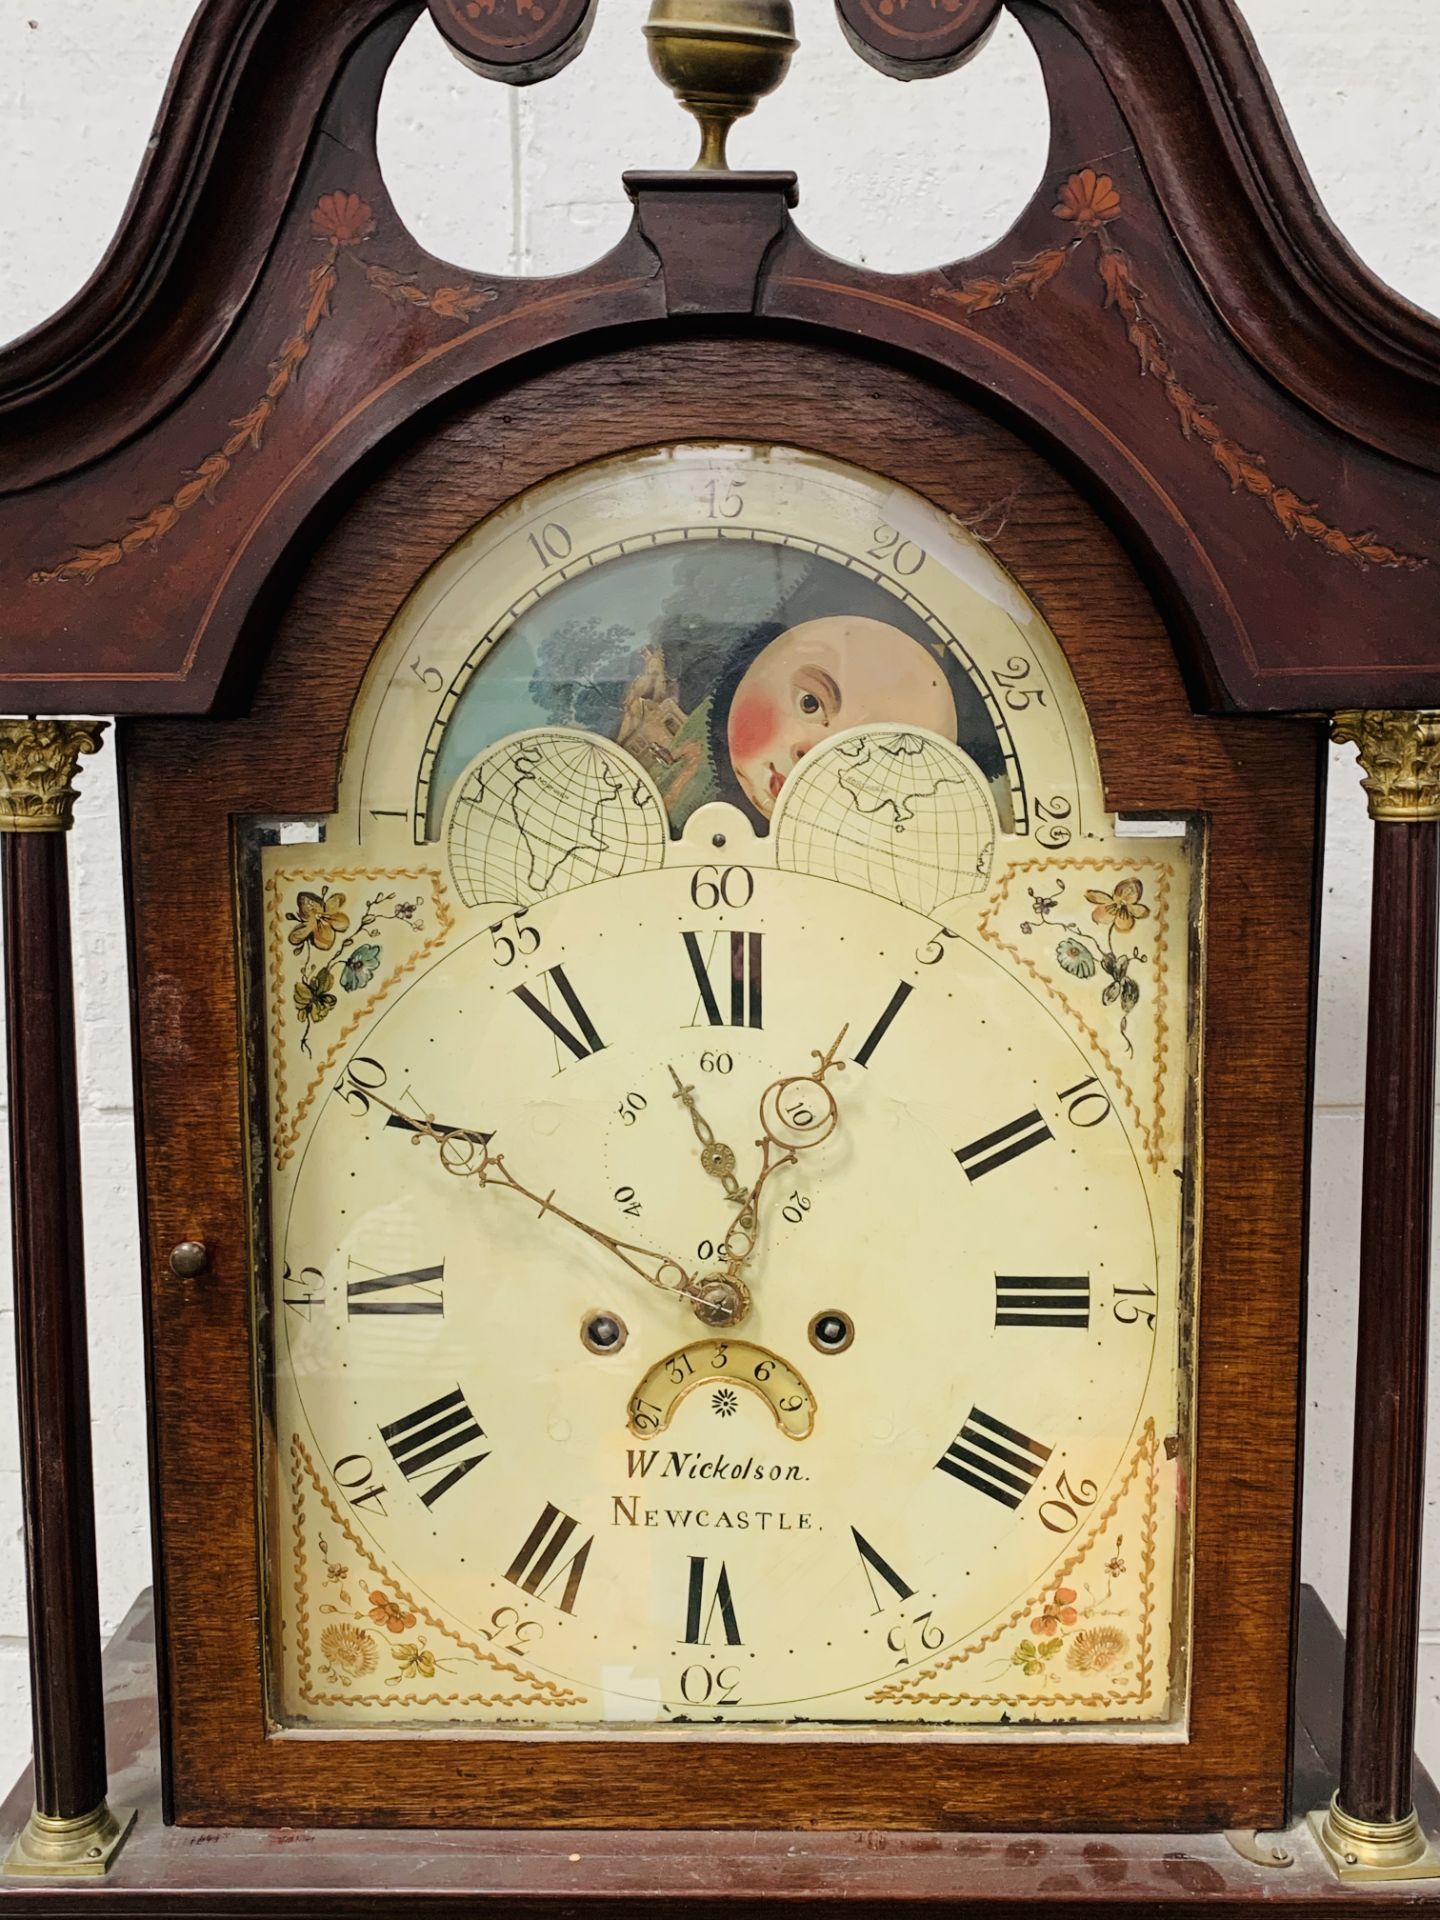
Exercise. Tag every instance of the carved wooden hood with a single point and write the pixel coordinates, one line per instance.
(1173, 317)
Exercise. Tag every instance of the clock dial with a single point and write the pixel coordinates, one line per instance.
(727, 1120)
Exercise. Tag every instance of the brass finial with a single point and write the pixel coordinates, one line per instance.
(719, 57)
(38, 761)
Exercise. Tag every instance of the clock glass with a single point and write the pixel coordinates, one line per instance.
(729, 1142)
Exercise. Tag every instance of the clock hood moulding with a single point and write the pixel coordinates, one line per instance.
(1173, 315)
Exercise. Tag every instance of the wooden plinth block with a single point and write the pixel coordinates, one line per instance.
(355, 1874)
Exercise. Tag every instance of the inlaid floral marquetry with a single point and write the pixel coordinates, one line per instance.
(518, 41)
(917, 38)
(1091, 206)
(341, 223)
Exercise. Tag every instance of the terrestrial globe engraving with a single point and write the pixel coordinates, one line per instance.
(900, 812)
(549, 810)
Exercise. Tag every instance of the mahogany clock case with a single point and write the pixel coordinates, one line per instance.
(188, 785)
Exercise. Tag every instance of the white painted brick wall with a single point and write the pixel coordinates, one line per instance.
(530, 182)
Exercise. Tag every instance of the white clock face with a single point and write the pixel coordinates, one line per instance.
(727, 1116)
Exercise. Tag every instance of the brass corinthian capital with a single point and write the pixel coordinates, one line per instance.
(1400, 754)
(38, 760)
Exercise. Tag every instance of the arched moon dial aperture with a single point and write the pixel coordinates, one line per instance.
(733, 1363)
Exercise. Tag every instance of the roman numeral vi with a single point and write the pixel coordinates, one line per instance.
(700, 1617)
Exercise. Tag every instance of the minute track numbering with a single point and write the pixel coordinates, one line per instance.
(957, 1442)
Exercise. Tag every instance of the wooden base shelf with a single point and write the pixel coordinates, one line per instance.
(342, 1872)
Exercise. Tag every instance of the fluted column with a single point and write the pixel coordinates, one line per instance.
(1370, 1830)
(72, 1830)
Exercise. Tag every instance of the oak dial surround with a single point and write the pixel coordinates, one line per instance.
(1070, 596)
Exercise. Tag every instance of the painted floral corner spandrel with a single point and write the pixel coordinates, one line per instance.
(1090, 203)
(339, 941)
(1096, 934)
(340, 224)
(360, 1639)
(1090, 1638)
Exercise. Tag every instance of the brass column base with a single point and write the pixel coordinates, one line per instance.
(1362, 1850)
(79, 1848)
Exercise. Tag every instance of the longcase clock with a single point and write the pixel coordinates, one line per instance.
(721, 856)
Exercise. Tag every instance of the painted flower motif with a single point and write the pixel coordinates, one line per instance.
(1031, 1658)
(1121, 987)
(387, 1613)
(414, 1662)
(336, 1573)
(1060, 1613)
(317, 919)
(1115, 1567)
(313, 998)
(406, 909)
(1095, 1648)
(1075, 957)
(1089, 199)
(343, 219)
(1120, 909)
(360, 966)
(725, 1401)
(349, 1651)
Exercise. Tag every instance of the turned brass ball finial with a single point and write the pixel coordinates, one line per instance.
(719, 57)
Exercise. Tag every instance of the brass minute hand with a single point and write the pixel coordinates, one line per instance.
(467, 1155)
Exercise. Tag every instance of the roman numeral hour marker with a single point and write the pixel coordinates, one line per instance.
(998, 1461)
(424, 1443)
(738, 1002)
(1042, 1300)
(1007, 1143)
